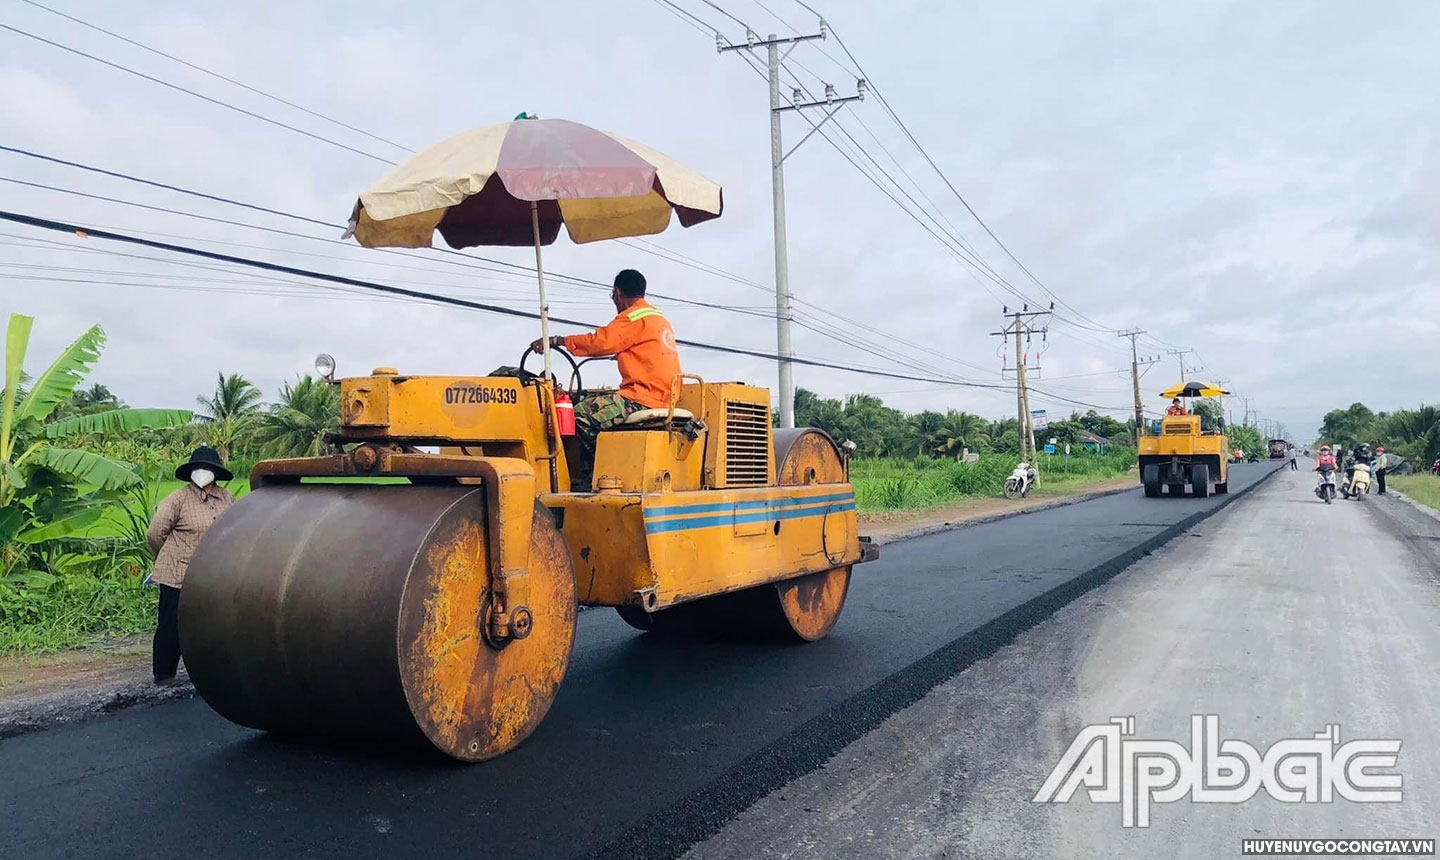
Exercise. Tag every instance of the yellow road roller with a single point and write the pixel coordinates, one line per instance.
(420, 584)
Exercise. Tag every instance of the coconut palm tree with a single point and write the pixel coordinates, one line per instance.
(927, 426)
(296, 426)
(229, 414)
(960, 430)
(234, 396)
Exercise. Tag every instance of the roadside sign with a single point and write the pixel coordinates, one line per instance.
(1050, 449)
(1037, 419)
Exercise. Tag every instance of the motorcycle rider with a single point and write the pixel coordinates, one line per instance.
(1361, 454)
(1324, 464)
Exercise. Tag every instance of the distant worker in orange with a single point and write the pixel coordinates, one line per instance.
(643, 343)
(1176, 408)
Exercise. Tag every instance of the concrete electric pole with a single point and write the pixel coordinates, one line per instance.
(1181, 353)
(783, 314)
(1019, 324)
(1135, 364)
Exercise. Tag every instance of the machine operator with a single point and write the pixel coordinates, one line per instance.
(643, 344)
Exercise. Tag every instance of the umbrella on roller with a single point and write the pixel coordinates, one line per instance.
(1193, 389)
(515, 183)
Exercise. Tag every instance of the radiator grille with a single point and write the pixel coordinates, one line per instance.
(1177, 430)
(747, 444)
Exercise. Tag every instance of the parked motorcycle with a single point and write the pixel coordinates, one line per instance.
(1020, 482)
(1358, 484)
(1325, 486)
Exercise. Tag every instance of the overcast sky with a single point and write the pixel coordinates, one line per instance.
(1259, 182)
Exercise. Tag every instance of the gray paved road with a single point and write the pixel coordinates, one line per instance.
(1280, 615)
(640, 725)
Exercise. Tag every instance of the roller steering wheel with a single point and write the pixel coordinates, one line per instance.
(575, 383)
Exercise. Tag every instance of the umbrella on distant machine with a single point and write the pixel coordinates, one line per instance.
(514, 183)
(1193, 389)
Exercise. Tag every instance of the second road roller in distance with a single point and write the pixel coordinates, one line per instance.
(439, 607)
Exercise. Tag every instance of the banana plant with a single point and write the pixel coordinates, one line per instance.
(51, 490)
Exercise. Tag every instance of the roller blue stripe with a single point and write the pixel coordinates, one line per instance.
(711, 508)
(679, 525)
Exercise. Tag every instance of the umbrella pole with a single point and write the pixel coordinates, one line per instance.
(540, 278)
(550, 428)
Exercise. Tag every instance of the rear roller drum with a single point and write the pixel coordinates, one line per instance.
(359, 611)
(803, 609)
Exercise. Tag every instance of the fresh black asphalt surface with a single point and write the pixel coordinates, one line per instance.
(652, 743)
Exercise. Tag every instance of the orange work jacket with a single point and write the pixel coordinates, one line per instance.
(643, 343)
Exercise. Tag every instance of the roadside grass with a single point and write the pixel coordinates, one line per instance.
(76, 611)
(1424, 489)
(899, 484)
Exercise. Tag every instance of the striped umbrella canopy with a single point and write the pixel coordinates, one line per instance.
(515, 183)
(1193, 389)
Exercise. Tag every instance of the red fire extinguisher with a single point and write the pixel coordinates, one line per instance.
(564, 414)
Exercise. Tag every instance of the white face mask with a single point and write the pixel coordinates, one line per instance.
(202, 477)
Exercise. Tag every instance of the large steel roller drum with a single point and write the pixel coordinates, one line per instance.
(357, 611)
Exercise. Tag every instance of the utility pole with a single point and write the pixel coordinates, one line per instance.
(1020, 323)
(783, 314)
(1135, 363)
(1220, 384)
(1247, 410)
(1181, 353)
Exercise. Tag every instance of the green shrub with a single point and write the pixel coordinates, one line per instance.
(77, 609)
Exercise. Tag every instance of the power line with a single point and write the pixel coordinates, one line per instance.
(946, 179)
(664, 253)
(201, 96)
(259, 92)
(689, 261)
(291, 233)
(420, 295)
(828, 332)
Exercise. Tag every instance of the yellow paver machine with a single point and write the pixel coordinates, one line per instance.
(421, 582)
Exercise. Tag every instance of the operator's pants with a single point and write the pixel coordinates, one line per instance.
(593, 414)
(1380, 479)
(166, 655)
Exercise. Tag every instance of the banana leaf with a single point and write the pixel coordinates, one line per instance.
(17, 339)
(12, 519)
(76, 524)
(117, 421)
(36, 579)
(58, 381)
(87, 467)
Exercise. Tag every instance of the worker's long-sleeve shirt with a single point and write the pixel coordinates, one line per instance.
(180, 522)
(643, 343)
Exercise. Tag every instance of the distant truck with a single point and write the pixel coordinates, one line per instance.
(1279, 449)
